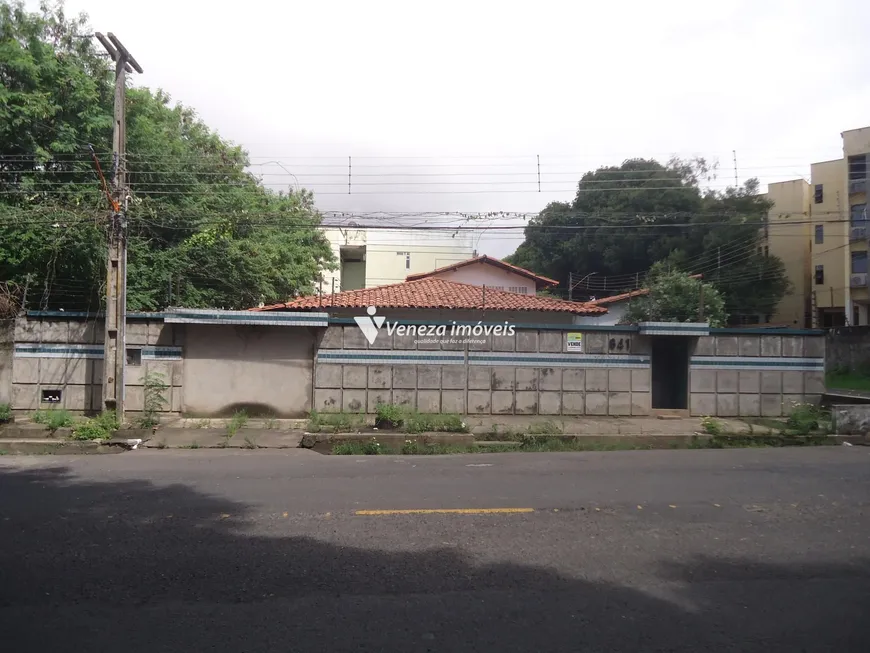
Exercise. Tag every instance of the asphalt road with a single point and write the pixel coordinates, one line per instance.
(740, 550)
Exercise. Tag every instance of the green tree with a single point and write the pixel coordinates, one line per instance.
(198, 221)
(675, 296)
(624, 219)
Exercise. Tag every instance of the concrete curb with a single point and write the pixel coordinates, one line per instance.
(44, 446)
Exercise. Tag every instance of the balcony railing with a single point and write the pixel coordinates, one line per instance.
(858, 280)
(858, 232)
(857, 186)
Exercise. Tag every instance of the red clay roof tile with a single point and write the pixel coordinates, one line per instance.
(436, 293)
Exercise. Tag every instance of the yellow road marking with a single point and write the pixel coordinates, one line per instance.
(436, 511)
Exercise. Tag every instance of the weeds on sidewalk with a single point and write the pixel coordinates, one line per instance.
(155, 400)
(544, 444)
(5, 413)
(335, 422)
(391, 416)
(100, 427)
(711, 425)
(53, 418)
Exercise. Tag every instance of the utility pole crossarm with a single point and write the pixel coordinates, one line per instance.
(115, 352)
(111, 50)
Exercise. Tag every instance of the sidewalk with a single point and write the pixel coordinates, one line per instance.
(596, 426)
(25, 437)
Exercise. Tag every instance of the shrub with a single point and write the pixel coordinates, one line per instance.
(432, 422)
(237, 421)
(5, 412)
(390, 416)
(803, 418)
(335, 422)
(100, 427)
(711, 425)
(54, 419)
(155, 401)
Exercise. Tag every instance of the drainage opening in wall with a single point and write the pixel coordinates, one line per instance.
(51, 396)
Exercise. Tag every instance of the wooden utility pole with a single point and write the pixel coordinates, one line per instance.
(115, 354)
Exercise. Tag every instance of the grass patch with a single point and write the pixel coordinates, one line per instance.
(53, 419)
(748, 441)
(250, 442)
(803, 419)
(711, 425)
(100, 427)
(270, 423)
(359, 448)
(335, 422)
(237, 421)
(845, 379)
(500, 433)
(391, 416)
(5, 413)
(547, 427)
(434, 422)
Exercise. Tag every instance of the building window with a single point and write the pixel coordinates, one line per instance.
(134, 357)
(51, 396)
(820, 275)
(820, 234)
(520, 290)
(859, 215)
(407, 261)
(819, 194)
(859, 262)
(858, 167)
(856, 316)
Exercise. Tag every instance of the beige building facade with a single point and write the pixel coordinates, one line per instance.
(819, 230)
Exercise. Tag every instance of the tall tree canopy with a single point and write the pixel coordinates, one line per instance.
(625, 219)
(199, 223)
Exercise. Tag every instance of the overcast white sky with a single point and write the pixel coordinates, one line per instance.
(580, 83)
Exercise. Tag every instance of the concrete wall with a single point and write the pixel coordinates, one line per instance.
(265, 369)
(211, 370)
(531, 372)
(66, 354)
(848, 347)
(483, 274)
(755, 375)
(534, 372)
(851, 419)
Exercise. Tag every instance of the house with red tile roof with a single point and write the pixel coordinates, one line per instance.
(435, 298)
(492, 273)
(617, 305)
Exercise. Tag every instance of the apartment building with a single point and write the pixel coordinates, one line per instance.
(820, 231)
(370, 255)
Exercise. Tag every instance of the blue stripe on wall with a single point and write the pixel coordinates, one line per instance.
(749, 362)
(45, 350)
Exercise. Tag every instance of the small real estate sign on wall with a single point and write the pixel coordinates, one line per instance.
(575, 342)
